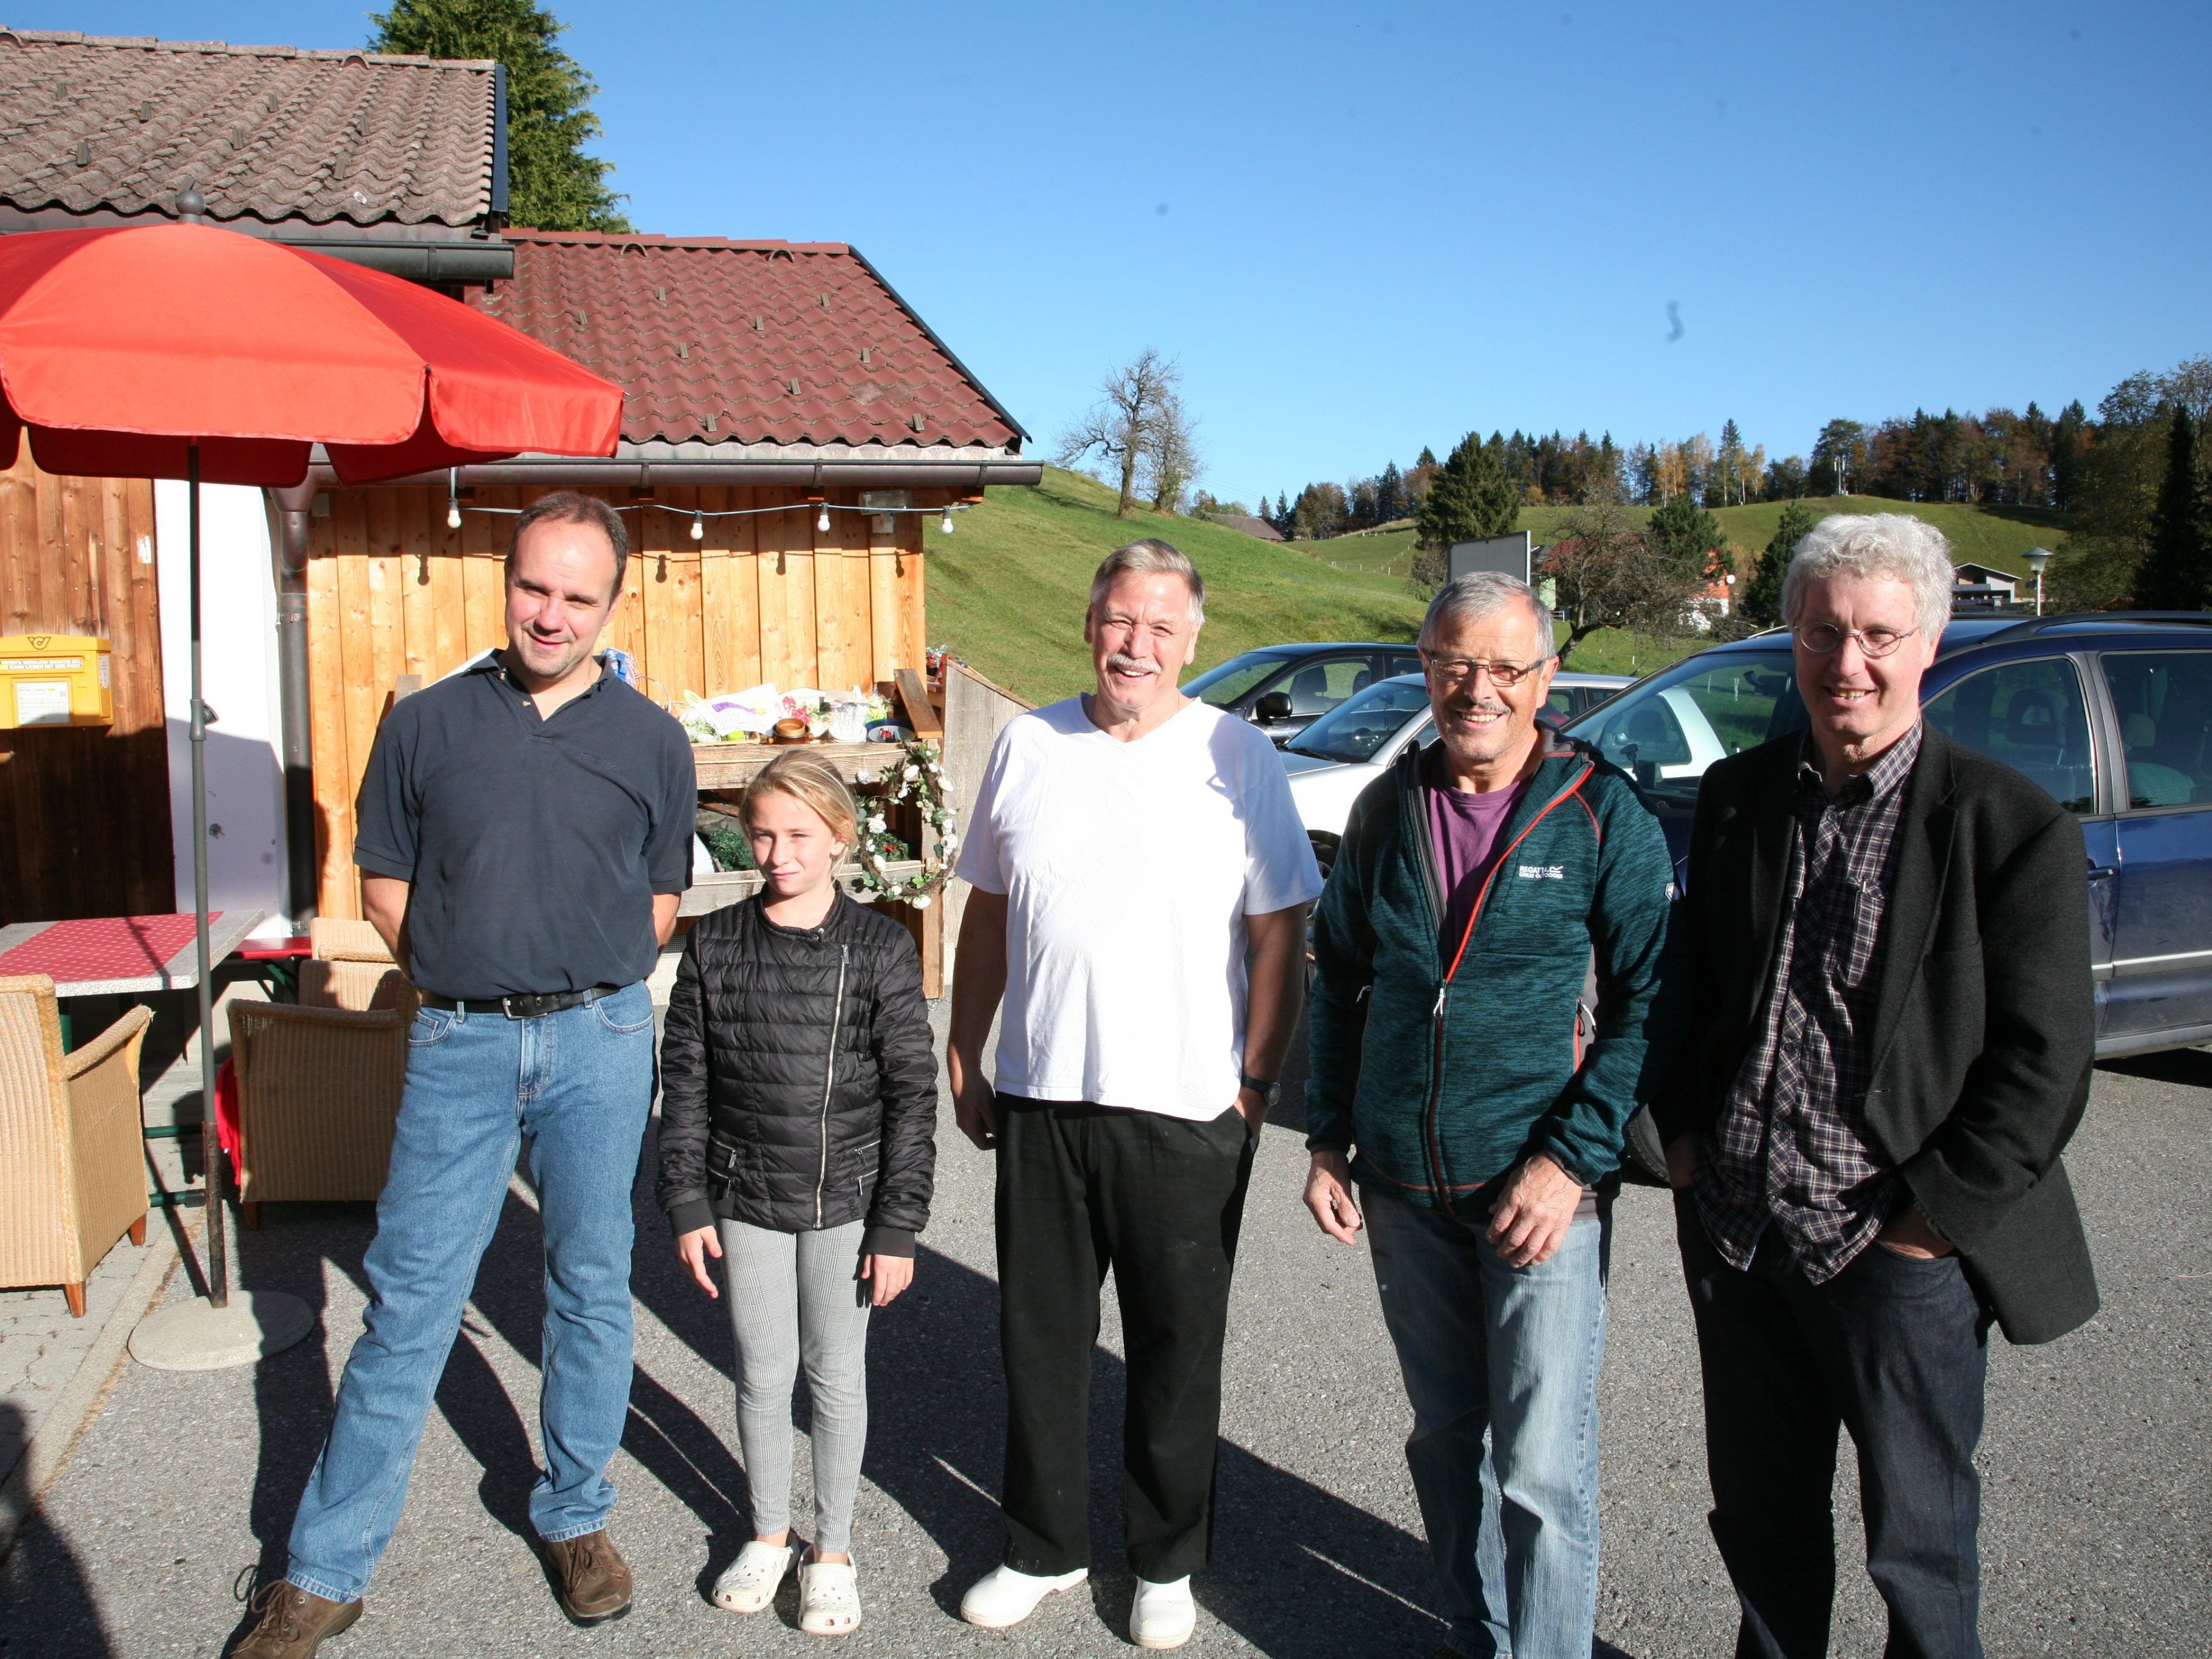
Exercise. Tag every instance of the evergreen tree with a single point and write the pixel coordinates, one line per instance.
(1686, 534)
(1470, 497)
(2176, 574)
(1761, 599)
(552, 184)
(1389, 494)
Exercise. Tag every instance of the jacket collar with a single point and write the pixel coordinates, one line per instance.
(1924, 859)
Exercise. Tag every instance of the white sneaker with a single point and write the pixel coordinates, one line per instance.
(1003, 1597)
(1162, 1615)
(748, 1583)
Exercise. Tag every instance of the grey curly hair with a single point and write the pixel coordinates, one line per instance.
(1893, 544)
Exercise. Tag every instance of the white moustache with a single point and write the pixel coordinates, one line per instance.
(1123, 665)
(1466, 708)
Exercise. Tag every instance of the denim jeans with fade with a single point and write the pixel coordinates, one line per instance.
(1501, 1367)
(579, 1084)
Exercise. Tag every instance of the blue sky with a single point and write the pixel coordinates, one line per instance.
(1362, 229)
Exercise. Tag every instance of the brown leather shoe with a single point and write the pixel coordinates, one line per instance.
(293, 1622)
(590, 1578)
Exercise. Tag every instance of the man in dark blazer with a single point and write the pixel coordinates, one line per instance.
(1880, 978)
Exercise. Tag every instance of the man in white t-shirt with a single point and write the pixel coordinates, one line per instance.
(1141, 879)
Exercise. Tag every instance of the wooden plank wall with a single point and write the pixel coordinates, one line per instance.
(84, 812)
(975, 711)
(391, 590)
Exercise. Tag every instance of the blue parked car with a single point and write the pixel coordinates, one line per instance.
(2112, 714)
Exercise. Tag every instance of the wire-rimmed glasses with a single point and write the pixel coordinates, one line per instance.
(1823, 639)
(1503, 675)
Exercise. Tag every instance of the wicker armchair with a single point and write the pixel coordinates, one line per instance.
(350, 969)
(72, 1147)
(319, 1082)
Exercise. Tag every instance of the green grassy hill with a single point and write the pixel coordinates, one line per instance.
(1006, 593)
(1994, 536)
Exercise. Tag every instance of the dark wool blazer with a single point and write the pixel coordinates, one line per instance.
(1985, 1025)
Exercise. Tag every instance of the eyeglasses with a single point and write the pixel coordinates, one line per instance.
(1822, 638)
(1503, 675)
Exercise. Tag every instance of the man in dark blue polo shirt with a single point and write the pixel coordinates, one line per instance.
(524, 833)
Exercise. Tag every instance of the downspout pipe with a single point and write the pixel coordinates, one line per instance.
(303, 870)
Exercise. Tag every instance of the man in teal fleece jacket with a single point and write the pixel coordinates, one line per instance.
(1458, 1075)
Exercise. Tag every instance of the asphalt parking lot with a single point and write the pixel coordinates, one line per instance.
(2098, 1455)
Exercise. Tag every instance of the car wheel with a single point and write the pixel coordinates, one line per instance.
(1645, 1160)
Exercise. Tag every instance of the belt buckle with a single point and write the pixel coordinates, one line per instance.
(521, 1005)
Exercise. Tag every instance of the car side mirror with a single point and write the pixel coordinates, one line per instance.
(1275, 706)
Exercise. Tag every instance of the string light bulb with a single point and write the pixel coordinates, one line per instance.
(821, 519)
(698, 527)
(946, 523)
(453, 515)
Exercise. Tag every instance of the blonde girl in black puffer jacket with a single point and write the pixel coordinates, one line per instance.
(799, 1107)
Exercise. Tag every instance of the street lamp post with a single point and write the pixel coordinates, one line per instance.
(2037, 557)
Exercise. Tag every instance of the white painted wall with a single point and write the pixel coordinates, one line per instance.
(238, 669)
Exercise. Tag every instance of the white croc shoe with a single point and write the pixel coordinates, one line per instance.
(1162, 1615)
(829, 1598)
(748, 1583)
(1003, 1597)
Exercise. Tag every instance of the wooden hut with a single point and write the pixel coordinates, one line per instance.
(781, 400)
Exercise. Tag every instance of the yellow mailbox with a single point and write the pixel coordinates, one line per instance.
(54, 679)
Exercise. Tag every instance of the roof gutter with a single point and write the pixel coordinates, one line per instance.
(450, 263)
(966, 478)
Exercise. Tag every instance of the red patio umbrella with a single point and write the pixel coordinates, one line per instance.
(185, 351)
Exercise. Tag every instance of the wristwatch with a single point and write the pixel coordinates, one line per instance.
(1269, 1093)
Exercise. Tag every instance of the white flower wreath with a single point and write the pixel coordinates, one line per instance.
(920, 779)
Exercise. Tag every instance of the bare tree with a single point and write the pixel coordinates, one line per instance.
(1606, 574)
(1171, 461)
(1120, 428)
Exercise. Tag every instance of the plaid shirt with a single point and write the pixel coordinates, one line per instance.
(1789, 1146)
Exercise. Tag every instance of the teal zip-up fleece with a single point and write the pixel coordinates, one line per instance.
(1442, 1074)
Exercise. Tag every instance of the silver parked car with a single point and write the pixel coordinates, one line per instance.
(1348, 748)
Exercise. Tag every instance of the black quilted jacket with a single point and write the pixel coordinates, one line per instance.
(798, 1086)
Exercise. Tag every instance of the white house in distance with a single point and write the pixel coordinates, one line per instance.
(1983, 586)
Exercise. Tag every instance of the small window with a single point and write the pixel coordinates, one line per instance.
(1318, 686)
(2164, 701)
(1406, 664)
(2031, 716)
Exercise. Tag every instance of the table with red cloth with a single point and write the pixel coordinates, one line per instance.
(106, 956)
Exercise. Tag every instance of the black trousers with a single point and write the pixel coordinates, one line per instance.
(1893, 1349)
(1159, 1199)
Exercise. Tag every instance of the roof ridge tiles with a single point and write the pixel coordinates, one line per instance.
(154, 43)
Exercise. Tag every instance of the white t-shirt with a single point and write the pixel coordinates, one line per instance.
(1128, 869)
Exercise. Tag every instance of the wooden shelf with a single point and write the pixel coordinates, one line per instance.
(726, 887)
(731, 765)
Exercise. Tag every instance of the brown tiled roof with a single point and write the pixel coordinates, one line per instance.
(721, 343)
(103, 125)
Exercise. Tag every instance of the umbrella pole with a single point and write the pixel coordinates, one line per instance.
(218, 1265)
(196, 1335)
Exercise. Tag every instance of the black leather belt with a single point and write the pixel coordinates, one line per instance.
(528, 1005)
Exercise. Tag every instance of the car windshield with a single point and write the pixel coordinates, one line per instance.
(1666, 731)
(1358, 726)
(1225, 682)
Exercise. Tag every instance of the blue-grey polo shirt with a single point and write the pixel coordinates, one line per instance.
(534, 846)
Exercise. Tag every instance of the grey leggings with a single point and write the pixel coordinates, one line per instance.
(795, 1296)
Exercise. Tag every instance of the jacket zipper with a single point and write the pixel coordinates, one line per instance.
(1430, 1138)
(830, 1078)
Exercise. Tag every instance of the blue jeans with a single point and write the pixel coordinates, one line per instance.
(580, 1085)
(1893, 1349)
(1503, 1360)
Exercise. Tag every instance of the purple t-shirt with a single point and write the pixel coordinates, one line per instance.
(1463, 828)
